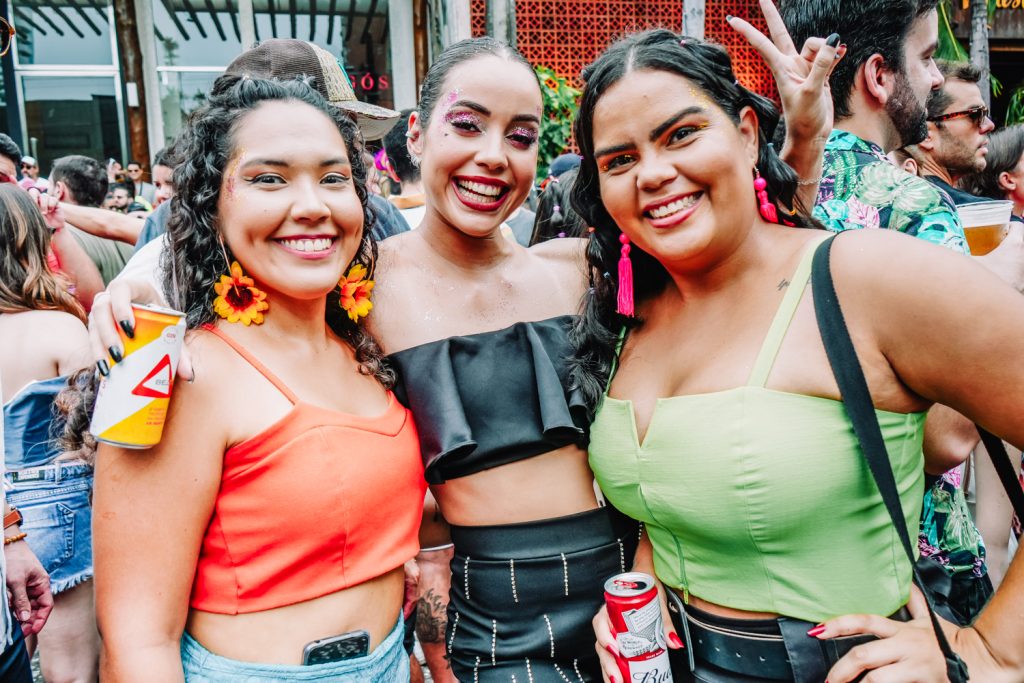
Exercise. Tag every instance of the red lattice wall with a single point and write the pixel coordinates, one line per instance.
(566, 35)
(750, 69)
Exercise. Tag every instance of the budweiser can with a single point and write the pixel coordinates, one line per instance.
(131, 404)
(635, 614)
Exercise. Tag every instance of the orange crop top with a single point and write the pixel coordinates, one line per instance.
(317, 502)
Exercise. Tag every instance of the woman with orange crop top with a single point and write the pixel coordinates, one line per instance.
(278, 509)
(718, 417)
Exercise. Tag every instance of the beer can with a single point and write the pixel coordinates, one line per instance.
(635, 614)
(131, 404)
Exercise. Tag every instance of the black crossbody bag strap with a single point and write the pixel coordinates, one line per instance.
(853, 388)
(1001, 461)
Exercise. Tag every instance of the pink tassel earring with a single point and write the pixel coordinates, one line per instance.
(767, 209)
(625, 302)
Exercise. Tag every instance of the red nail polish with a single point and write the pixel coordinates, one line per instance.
(612, 649)
(674, 640)
(817, 631)
(615, 680)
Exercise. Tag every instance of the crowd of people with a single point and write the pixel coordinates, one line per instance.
(429, 398)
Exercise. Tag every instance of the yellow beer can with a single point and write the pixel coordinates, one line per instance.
(131, 404)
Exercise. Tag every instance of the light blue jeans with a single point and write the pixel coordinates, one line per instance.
(388, 663)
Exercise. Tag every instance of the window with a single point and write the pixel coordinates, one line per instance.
(66, 33)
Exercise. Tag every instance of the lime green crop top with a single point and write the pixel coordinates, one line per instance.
(761, 500)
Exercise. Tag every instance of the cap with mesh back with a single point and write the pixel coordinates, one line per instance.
(286, 58)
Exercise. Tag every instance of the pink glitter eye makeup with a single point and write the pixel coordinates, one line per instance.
(463, 120)
(522, 136)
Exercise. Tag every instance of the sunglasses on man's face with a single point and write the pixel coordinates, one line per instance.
(977, 115)
(6, 36)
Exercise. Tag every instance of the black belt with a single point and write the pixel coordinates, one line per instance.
(787, 655)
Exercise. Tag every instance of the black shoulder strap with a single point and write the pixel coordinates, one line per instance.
(1001, 462)
(853, 388)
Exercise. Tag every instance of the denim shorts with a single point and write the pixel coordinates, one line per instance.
(55, 503)
(388, 663)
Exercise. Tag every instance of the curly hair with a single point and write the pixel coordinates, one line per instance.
(73, 409)
(26, 281)
(708, 67)
(195, 261)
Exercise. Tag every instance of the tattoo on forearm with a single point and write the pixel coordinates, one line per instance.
(431, 617)
(783, 284)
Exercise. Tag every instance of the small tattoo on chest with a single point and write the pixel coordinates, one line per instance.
(782, 284)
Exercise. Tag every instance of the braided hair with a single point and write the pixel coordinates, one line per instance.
(708, 67)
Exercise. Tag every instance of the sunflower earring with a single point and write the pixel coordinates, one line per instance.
(355, 292)
(239, 300)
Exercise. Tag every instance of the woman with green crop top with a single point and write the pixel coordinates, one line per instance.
(718, 422)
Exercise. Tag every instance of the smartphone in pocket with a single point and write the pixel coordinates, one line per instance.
(337, 648)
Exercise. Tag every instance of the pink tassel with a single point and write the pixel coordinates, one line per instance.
(625, 302)
(766, 208)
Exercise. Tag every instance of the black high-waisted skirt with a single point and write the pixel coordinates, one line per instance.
(523, 596)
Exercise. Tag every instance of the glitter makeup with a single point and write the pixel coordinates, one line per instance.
(463, 120)
(522, 136)
(231, 171)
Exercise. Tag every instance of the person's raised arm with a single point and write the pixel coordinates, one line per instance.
(71, 258)
(802, 80)
(151, 508)
(104, 222)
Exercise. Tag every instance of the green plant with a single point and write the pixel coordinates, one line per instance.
(560, 103)
(949, 47)
(1015, 109)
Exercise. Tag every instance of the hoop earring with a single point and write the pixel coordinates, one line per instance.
(765, 207)
(239, 300)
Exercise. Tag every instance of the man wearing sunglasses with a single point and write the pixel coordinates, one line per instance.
(958, 128)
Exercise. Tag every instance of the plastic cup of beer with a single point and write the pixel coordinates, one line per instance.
(985, 224)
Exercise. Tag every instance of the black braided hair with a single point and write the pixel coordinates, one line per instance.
(195, 260)
(709, 68)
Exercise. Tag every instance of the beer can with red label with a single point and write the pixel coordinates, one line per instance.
(635, 614)
(131, 403)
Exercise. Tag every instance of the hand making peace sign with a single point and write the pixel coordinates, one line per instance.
(801, 77)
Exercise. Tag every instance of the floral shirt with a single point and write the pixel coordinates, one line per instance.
(861, 188)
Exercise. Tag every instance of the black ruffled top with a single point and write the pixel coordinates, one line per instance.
(488, 399)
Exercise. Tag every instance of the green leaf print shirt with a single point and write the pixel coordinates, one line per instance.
(861, 188)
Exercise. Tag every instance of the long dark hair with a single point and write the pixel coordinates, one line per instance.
(26, 281)
(196, 258)
(708, 67)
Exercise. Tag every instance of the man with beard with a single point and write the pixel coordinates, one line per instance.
(958, 128)
(879, 93)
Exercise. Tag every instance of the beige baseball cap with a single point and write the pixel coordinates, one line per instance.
(287, 58)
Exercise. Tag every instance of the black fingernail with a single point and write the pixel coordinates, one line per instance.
(103, 367)
(128, 329)
(832, 40)
(115, 353)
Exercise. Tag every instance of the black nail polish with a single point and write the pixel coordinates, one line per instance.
(115, 353)
(128, 329)
(832, 40)
(103, 367)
